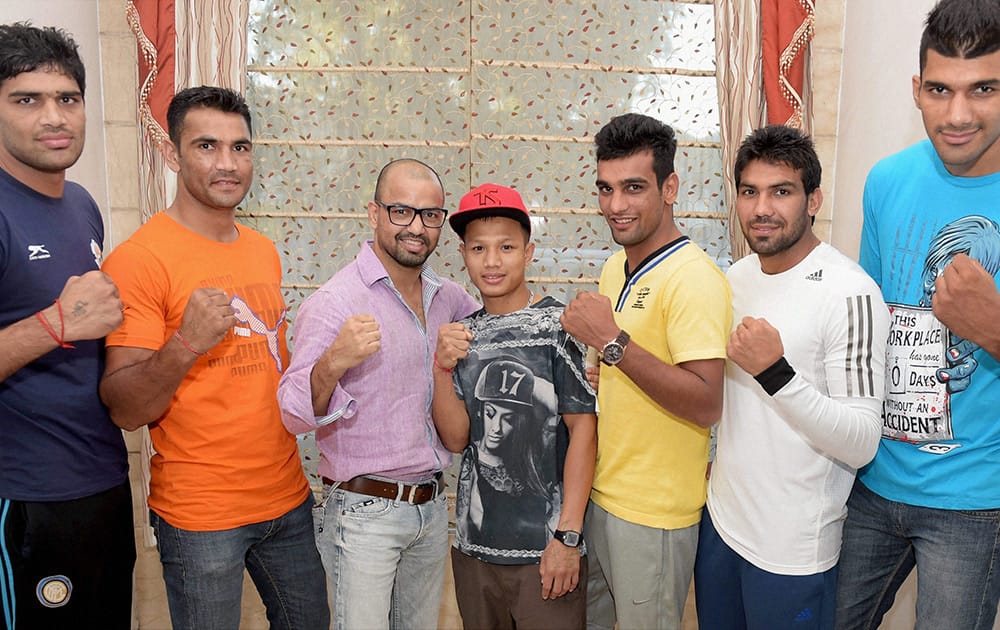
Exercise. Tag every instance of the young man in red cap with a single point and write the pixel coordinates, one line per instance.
(511, 394)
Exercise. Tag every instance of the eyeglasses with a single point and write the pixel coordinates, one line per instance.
(403, 215)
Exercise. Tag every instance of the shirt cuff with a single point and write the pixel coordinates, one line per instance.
(347, 410)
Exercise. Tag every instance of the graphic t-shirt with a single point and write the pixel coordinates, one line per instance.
(522, 373)
(223, 457)
(941, 420)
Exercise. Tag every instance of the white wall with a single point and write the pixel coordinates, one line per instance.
(877, 115)
(79, 19)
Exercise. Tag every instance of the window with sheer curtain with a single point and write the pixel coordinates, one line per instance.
(482, 90)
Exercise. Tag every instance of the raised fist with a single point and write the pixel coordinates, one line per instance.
(452, 344)
(589, 317)
(755, 345)
(90, 307)
(359, 338)
(207, 318)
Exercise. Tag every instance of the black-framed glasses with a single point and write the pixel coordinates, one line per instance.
(403, 215)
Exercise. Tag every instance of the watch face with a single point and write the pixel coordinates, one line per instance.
(613, 353)
(568, 538)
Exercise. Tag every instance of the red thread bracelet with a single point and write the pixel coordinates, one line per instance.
(441, 367)
(62, 322)
(177, 335)
(60, 339)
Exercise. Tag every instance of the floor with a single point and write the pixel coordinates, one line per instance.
(151, 612)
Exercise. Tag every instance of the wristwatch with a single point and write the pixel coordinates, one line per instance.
(567, 537)
(614, 350)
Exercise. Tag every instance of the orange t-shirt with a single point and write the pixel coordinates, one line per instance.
(223, 458)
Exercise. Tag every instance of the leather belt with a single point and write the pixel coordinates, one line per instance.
(414, 494)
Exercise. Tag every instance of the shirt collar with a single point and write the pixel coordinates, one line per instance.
(372, 270)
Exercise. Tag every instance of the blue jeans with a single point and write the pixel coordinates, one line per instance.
(385, 559)
(956, 552)
(203, 572)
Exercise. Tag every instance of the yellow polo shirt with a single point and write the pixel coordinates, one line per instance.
(651, 463)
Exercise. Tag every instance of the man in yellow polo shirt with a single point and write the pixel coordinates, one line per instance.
(661, 322)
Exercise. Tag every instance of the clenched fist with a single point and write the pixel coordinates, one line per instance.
(966, 301)
(452, 344)
(590, 319)
(207, 318)
(90, 307)
(359, 338)
(755, 345)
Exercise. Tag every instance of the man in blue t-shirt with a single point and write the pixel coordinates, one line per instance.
(931, 240)
(67, 544)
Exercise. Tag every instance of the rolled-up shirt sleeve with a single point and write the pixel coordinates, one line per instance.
(316, 326)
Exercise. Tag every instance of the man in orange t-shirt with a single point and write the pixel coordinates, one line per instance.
(198, 359)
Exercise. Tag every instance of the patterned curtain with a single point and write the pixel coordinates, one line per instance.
(212, 43)
(741, 93)
(787, 28)
(192, 42)
(152, 23)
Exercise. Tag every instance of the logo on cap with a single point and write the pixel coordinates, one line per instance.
(487, 196)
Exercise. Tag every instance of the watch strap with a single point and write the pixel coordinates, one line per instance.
(622, 339)
(614, 351)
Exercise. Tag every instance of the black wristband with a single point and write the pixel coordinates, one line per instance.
(775, 377)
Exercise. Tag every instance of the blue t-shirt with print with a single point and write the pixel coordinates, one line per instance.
(941, 423)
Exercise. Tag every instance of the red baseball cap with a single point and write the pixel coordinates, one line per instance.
(489, 200)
